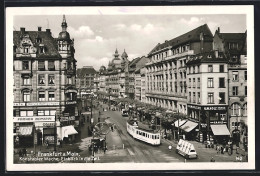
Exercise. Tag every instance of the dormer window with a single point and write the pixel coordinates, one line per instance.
(26, 49)
(41, 48)
(209, 56)
(38, 40)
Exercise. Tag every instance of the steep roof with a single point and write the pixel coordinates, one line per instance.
(191, 36)
(207, 57)
(81, 72)
(47, 40)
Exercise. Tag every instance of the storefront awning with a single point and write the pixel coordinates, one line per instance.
(220, 130)
(68, 130)
(25, 131)
(188, 126)
(181, 122)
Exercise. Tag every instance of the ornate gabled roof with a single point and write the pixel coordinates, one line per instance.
(81, 72)
(46, 40)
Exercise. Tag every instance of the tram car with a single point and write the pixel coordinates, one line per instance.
(145, 135)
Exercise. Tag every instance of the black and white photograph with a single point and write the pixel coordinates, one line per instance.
(128, 88)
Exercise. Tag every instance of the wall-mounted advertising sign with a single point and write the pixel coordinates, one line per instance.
(215, 108)
(71, 102)
(62, 119)
(37, 104)
(34, 119)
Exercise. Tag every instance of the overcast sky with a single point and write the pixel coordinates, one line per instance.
(97, 36)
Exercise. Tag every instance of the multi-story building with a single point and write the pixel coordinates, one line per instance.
(143, 84)
(134, 65)
(166, 84)
(138, 85)
(102, 82)
(85, 80)
(96, 83)
(234, 46)
(44, 86)
(207, 100)
(116, 76)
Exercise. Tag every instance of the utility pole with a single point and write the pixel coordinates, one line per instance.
(93, 143)
(178, 125)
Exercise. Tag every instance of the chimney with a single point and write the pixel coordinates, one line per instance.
(48, 31)
(39, 28)
(218, 30)
(201, 42)
(22, 30)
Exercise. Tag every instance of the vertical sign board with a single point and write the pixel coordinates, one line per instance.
(35, 138)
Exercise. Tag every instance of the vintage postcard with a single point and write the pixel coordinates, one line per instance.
(126, 88)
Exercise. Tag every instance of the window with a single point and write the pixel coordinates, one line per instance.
(245, 75)
(194, 97)
(42, 50)
(51, 65)
(198, 83)
(189, 96)
(26, 81)
(210, 82)
(198, 69)
(235, 90)
(245, 90)
(51, 96)
(46, 112)
(245, 109)
(26, 113)
(41, 79)
(194, 83)
(25, 65)
(193, 69)
(221, 68)
(51, 79)
(41, 65)
(235, 109)
(41, 96)
(69, 81)
(221, 82)
(198, 97)
(222, 98)
(210, 68)
(189, 82)
(210, 98)
(235, 75)
(26, 96)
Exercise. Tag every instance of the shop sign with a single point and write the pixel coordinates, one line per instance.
(67, 118)
(218, 122)
(34, 119)
(50, 124)
(35, 138)
(18, 104)
(214, 108)
(71, 102)
(42, 104)
(203, 125)
(194, 107)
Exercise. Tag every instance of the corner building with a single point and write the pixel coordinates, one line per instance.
(207, 101)
(166, 72)
(44, 87)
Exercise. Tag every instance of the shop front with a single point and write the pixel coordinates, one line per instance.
(216, 123)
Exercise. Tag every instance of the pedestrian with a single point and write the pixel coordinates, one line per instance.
(212, 159)
(222, 150)
(61, 143)
(170, 148)
(47, 144)
(218, 149)
(24, 152)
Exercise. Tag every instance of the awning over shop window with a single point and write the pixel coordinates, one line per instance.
(188, 126)
(181, 122)
(220, 130)
(25, 131)
(71, 91)
(68, 130)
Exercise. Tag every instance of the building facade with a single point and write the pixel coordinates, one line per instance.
(44, 86)
(166, 82)
(85, 80)
(207, 101)
(234, 46)
(117, 76)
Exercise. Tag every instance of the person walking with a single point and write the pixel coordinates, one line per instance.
(212, 159)
(170, 148)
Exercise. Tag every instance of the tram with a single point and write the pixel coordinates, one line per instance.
(145, 135)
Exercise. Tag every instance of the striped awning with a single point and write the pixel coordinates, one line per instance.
(178, 124)
(220, 130)
(188, 126)
(25, 131)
